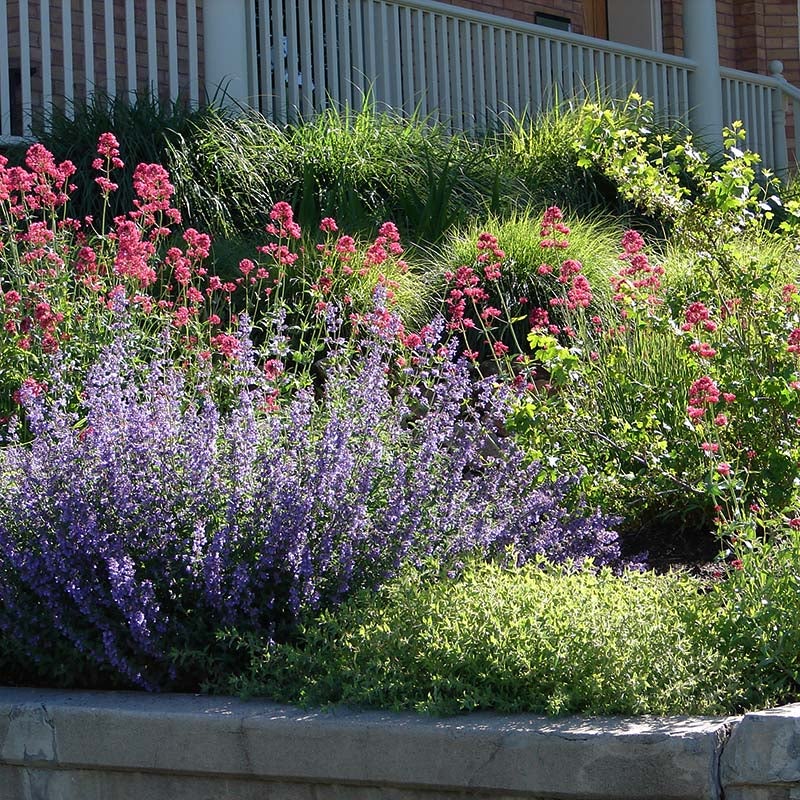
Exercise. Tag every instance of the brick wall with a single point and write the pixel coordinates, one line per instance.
(526, 11)
(751, 34)
(727, 33)
(748, 39)
(781, 34)
(99, 49)
(672, 26)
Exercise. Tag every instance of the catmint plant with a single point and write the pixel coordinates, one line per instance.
(150, 519)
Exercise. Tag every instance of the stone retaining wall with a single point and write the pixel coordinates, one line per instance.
(127, 746)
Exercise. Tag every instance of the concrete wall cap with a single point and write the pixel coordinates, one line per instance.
(576, 757)
(764, 749)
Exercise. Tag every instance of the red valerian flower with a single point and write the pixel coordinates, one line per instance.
(328, 225)
(703, 350)
(694, 315)
(704, 392)
(551, 226)
(108, 148)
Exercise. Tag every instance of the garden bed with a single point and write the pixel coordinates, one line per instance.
(338, 469)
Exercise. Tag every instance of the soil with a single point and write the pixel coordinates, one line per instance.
(691, 547)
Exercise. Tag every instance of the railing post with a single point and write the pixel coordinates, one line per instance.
(228, 61)
(705, 83)
(781, 154)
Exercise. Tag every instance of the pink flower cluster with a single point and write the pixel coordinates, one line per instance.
(44, 187)
(702, 349)
(570, 273)
(703, 394)
(133, 253)
(553, 227)
(154, 193)
(698, 314)
(386, 243)
(490, 256)
(283, 225)
(467, 285)
(638, 280)
(285, 229)
(108, 159)
(466, 288)
(539, 319)
(26, 317)
(580, 293)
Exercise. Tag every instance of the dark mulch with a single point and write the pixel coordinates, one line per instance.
(668, 544)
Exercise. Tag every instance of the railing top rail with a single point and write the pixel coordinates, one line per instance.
(545, 32)
(776, 71)
(748, 77)
(10, 140)
(788, 89)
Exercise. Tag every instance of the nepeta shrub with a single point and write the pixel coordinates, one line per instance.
(157, 519)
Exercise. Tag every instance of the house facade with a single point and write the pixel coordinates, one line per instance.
(68, 48)
(750, 33)
(466, 61)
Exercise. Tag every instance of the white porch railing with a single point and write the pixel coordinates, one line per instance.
(466, 67)
(769, 107)
(754, 99)
(294, 58)
(786, 119)
(60, 51)
(469, 69)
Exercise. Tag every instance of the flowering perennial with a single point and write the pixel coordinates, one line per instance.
(159, 509)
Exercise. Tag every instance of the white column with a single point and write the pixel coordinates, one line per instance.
(705, 84)
(226, 40)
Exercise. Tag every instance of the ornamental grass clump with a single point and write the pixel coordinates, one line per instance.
(150, 521)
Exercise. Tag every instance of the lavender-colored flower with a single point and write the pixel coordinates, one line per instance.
(160, 519)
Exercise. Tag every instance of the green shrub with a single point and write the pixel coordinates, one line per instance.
(547, 154)
(535, 640)
(721, 312)
(543, 152)
(760, 609)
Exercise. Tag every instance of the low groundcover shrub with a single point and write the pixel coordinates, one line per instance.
(534, 639)
(544, 638)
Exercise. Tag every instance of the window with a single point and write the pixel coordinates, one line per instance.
(552, 21)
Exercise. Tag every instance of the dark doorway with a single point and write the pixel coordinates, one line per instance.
(595, 18)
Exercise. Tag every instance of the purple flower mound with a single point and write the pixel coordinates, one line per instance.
(158, 520)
